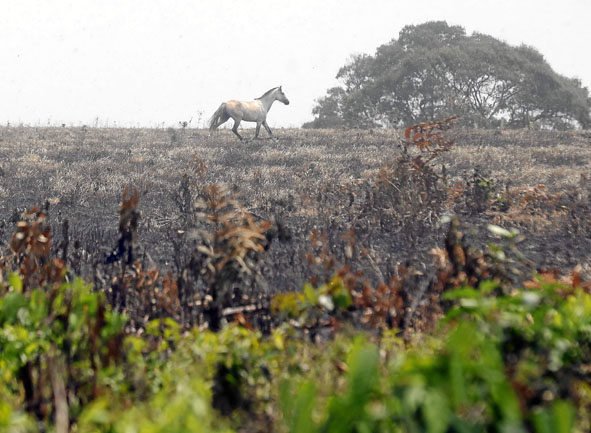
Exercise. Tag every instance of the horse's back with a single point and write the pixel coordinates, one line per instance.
(251, 111)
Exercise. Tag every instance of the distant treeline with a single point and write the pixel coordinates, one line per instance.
(435, 70)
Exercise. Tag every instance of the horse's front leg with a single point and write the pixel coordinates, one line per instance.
(267, 128)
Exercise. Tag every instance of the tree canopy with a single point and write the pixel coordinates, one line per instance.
(435, 70)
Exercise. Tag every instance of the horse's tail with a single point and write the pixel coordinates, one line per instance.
(213, 121)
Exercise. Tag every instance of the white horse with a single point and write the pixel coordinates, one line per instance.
(249, 111)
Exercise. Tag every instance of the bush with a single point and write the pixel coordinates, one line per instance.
(514, 362)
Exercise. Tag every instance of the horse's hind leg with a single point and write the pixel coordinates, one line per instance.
(237, 121)
(256, 133)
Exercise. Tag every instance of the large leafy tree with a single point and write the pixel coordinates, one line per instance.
(434, 70)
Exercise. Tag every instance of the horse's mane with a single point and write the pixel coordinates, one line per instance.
(267, 92)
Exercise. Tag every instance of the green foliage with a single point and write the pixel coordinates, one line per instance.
(309, 304)
(183, 406)
(459, 386)
(434, 70)
(552, 323)
(497, 362)
(352, 411)
(545, 334)
(356, 409)
(14, 421)
(43, 330)
(559, 419)
(329, 110)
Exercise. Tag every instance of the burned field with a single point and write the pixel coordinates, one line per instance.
(320, 203)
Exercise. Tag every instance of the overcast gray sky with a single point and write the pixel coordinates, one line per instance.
(153, 63)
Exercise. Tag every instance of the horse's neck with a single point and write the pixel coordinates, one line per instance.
(268, 101)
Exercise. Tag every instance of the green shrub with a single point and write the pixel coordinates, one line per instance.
(514, 362)
(55, 340)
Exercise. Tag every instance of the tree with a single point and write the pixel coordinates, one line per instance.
(434, 70)
(329, 110)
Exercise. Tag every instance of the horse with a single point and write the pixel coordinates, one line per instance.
(249, 111)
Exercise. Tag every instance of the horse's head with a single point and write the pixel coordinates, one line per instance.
(280, 96)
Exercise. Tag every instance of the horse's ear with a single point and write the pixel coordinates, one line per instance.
(280, 87)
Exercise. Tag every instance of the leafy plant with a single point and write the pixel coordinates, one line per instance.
(55, 341)
(434, 69)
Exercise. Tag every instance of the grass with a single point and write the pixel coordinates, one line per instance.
(307, 179)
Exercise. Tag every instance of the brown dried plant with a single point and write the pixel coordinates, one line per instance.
(428, 137)
(31, 246)
(227, 256)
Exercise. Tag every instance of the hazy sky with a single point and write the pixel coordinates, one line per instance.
(152, 63)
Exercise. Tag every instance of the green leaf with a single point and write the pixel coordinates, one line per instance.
(97, 413)
(297, 409)
(363, 371)
(15, 281)
(464, 292)
(437, 412)
(561, 419)
(311, 293)
(10, 306)
(563, 415)
(153, 327)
